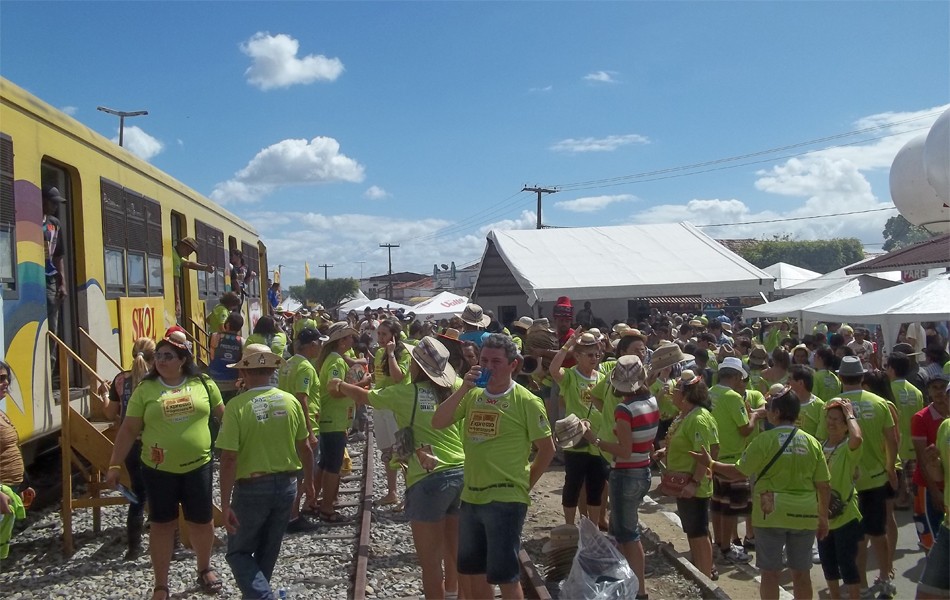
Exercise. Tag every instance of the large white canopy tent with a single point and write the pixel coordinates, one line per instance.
(926, 299)
(620, 262)
(794, 306)
(443, 305)
(840, 275)
(787, 275)
(377, 304)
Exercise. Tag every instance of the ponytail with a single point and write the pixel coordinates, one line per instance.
(143, 356)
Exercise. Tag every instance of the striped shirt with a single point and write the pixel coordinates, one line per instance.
(643, 415)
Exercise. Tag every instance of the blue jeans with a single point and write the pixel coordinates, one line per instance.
(262, 507)
(627, 489)
(490, 540)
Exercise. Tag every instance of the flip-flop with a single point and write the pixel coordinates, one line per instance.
(386, 502)
(333, 517)
(208, 586)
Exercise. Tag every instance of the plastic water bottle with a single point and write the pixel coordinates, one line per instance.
(282, 594)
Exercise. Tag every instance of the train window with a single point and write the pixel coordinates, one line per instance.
(7, 220)
(132, 236)
(155, 275)
(115, 273)
(210, 252)
(253, 263)
(137, 282)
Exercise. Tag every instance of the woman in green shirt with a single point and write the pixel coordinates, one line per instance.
(390, 367)
(434, 480)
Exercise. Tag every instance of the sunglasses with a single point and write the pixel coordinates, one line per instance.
(4, 378)
(166, 356)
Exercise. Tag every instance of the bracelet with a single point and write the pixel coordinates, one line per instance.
(115, 467)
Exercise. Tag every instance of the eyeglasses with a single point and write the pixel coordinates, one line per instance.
(4, 378)
(165, 356)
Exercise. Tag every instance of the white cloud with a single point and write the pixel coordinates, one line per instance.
(70, 110)
(593, 203)
(375, 193)
(276, 65)
(546, 88)
(289, 162)
(140, 143)
(604, 144)
(601, 77)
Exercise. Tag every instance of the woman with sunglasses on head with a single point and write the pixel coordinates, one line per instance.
(170, 408)
(120, 391)
(584, 466)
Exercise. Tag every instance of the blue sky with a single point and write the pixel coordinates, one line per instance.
(334, 127)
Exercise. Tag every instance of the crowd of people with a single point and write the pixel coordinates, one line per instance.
(794, 447)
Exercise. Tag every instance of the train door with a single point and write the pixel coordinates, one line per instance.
(64, 319)
(182, 302)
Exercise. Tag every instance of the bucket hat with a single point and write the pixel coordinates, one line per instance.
(433, 358)
(475, 316)
(568, 431)
(734, 364)
(629, 374)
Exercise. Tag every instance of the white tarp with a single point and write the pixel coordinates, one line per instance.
(839, 275)
(374, 305)
(813, 299)
(443, 305)
(787, 275)
(359, 299)
(627, 261)
(922, 300)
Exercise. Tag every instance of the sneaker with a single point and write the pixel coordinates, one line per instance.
(748, 543)
(736, 554)
(300, 525)
(886, 588)
(815, 558)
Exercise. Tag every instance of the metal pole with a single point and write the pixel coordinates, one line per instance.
(539, 191)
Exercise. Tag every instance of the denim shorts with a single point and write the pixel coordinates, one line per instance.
(935, 580)
(490, 540)
(627, 489)
(435, 496)
(770, 541)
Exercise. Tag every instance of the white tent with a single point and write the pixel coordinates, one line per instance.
(376, 304)
(359, 299)
(813, 299)
(621, 262)
(838, 276)
(443, 305)
(787, 275)
(922, 300)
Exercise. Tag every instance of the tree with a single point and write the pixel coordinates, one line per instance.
(821, 256)
(898, 232)
(328, 292)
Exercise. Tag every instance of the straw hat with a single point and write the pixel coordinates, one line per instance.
(562, 537)
(433, 358)
(619, 328)
(568, 431)
(687, 377)
(303, 311)
(523, 323)
(596, 333)
(629, 374)
(587, 339)
(257, 356)
(451, 335)
(190, 242)
(339, 330)
(474, 316)
(177, 338)
(725, 351)
(733, 364)
(758, 358)
(541, 324)
(634, 333)
(667, 355)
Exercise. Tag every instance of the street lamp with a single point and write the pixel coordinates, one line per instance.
(122, 114)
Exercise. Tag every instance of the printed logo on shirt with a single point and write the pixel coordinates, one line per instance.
(261, 408)
(178, 408)
(427, 400)
(482, 425)
(156, 455)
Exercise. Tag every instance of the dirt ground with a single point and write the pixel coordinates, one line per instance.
(546, 513)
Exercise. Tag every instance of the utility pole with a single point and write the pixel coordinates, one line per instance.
(325, 267)
(390, 247)
(361, 263)
(538, 191)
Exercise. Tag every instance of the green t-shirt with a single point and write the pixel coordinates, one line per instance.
(444, 444)
(576, 390)
(176, 264)
(874, 418)
(175, 434)
(605, 392)
(301, 324)
(380, 379)
(943, 446)
(946, 367)
(606, 368)
(336, 414)
(827, 385)
(219, 314)
(497, 437)
(663, 392)
(843, 464)
(728, 408)
(909, 401)
(755, 399)
(298, 376)
(694, 431)
(277, 342)
(810, 415)
(792, 478)
(263, 425)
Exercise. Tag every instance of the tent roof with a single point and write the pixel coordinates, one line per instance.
(787, 275)
(792, 306)
(441, 306)
(628, 261)
(926, 299)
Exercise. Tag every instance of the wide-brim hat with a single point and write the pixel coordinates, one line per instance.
(340, 330)
(629, 374)
(303, 311)
(433, 358)
(190, 242)
(619, 328)
(667, 355)
(257, 358)
(568, 431)
(731, 363)
(177, 338)
(634, 333)
(475, 316)
(563, 538)
(451, 335)
(523, 323)
(52, 193)
(541, 324)
(725, 351)
(587, 339)
(758, 358)
(851, 366)
(907, 349)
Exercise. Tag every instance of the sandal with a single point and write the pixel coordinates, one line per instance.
(161, 588)
(209, 586)
(333, 517)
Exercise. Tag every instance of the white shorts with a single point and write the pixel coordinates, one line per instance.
(385, 427)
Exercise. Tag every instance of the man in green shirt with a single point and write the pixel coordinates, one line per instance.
(263, 443)
(502, 422)
(908, 401)
(802, 379)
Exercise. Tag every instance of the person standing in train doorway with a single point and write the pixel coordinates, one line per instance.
(54, 251)
(185, 247)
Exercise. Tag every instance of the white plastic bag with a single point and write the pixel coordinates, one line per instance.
(600, 571)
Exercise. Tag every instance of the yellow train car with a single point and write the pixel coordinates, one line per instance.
(120, 223)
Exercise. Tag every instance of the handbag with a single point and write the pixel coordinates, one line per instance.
(673, 482)
(405, 438)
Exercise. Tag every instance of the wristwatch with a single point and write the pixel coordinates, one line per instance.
(597, 442)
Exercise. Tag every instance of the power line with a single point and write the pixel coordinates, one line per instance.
(786, 219)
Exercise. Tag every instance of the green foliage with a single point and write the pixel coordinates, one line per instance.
(821, 256)
(328, 292)
(898, 232)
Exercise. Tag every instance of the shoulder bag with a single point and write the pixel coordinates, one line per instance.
(405, 438)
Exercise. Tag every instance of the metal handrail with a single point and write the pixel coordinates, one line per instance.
(99, 348)
(194, 338)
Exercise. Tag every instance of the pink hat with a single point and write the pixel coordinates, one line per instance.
(563, 307)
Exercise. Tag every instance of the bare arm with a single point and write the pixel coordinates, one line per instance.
(395, 373)
(824, 495)
(445, 413)
(353, 392)
(130, 429)
(541, 460)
